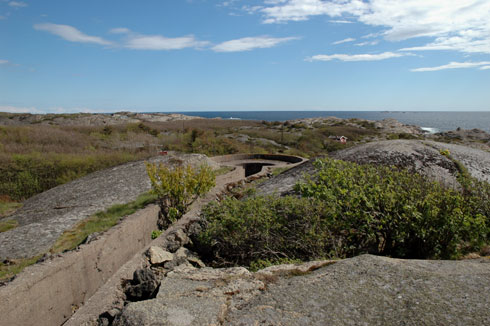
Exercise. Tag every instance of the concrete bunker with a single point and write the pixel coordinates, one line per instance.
(252, 164)
(253, 168)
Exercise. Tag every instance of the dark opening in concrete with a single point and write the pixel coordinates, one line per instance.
(252, 168)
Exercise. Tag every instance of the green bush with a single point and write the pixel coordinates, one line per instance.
(264, 229)
(345, 210)
(177, 188)
(392, 212)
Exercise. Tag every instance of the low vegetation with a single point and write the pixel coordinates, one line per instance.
(72, 238)
(177, 188)
(7, 224)
(99, 222)
(7, 207)
(37, 157)
(10, 268)
(345, 210)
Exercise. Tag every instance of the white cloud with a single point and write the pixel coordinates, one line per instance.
(120, 30)
(3, 62)
(485, 68)
(458, 43)
(356, 57)
(137, 41)
(455, 65)
(70, 33)
(250, 43)
(461, 25)
(367, 43)
(158, 42)
(341, 21)
(298, 10)
(17, 4)
(349, 39)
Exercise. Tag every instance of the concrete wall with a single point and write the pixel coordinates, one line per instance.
(49, 293)
(110, 295)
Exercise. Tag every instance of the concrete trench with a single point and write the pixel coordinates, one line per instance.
(49, 293)
(76, 287)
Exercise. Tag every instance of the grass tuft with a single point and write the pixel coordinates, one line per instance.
(11, 268)
(99, 222)
(8, 207)
(6, 225)
(70, 239)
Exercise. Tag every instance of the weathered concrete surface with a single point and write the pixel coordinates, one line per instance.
(44, 217)
(365, 290)
(49, 292)
(111, 295)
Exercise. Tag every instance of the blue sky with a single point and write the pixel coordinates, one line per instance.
(203, 55)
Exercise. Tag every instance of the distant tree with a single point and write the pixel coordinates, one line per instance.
(178, 188)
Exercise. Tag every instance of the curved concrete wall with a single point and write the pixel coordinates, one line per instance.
(272, 157)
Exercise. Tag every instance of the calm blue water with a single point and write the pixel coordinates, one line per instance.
(436, 121)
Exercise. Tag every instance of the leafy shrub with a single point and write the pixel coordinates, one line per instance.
(178, 188)
(345, 210)
(386, 211)
(264, 229)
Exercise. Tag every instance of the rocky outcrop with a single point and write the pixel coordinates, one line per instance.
(89, 119)
(44, 217)
(283, 183)
(424, 157)
(394, 126)
(386, 126)
(418, 156)
(365, 290)
(466, 134)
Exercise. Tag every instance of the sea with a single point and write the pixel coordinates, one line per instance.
(432, 121)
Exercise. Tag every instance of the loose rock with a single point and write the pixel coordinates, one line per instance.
(143, 286)
(158, 256)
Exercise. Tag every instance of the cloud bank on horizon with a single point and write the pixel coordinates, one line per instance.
(430, 35)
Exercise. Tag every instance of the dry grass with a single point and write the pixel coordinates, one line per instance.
(10, 268)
